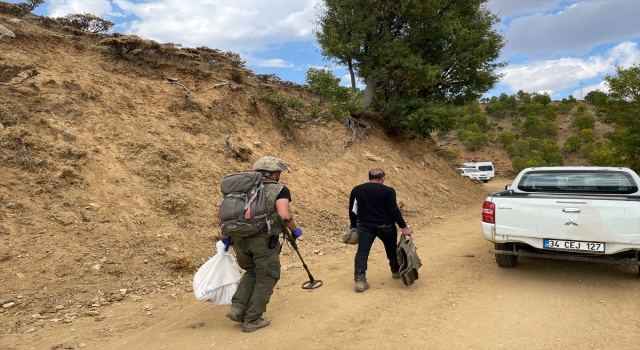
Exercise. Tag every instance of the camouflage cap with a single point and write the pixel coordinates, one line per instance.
(270, 163)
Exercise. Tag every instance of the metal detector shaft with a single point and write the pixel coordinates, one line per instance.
(312, 283)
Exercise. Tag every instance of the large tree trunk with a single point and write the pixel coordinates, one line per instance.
(369, 91)
(353, 77)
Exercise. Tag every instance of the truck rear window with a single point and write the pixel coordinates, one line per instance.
(572, 181)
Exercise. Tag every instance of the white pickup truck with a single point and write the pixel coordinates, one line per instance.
(581, 213)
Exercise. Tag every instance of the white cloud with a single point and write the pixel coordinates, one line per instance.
(507, 8)
(559, 74)
(602, 86)
(59, 8)
(240, 26)
(576, 30)
(271, 63)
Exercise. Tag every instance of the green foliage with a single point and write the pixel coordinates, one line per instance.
(549, 130)
(289, 112)
(587, 148)
(508, 101)
(596, 97)
(622, 110)
(569, 100)
(477, 118)
(603, 155)
(523, 97)
(422, 117)
(549, 113)
(532, 127)
(572, 144)
(506, 137)
(543, 99)
(586, 135)
(416, 56)
(326, 86)
(583, 121)
(582, 107)
(474, 140)
(534, 152)
(564, 108)
(496, 109)
(533, 108)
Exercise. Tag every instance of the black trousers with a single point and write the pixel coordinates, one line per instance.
(367, 233)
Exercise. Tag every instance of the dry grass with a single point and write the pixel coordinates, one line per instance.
(182, 264)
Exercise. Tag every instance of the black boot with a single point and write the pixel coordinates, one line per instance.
(361, 281)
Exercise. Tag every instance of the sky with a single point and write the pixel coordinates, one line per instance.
(562, 47)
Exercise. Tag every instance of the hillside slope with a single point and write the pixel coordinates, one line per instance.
(109, 188)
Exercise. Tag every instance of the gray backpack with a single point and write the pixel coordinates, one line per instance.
(243, 210)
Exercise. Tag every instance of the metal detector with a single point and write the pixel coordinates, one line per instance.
(311, 283)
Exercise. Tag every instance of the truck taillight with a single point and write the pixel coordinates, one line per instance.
(488, 212)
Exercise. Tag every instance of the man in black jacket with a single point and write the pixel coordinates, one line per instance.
(375, 213)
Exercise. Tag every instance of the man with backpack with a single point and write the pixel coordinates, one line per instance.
(256, 243)
(374, 212)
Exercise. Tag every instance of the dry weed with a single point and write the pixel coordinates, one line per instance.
(8, 117)
(182, 264)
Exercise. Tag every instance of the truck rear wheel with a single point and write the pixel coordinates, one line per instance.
(506, 260)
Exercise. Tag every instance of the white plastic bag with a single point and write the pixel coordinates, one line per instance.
(217, 280)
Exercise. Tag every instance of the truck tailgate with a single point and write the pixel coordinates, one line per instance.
(598, 220)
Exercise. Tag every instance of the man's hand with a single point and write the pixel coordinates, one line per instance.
(407, 231)
(227, 243)
(296, 233)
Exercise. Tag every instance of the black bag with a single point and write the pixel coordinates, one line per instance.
(243, 209)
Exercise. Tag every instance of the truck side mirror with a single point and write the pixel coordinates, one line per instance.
(506, 187)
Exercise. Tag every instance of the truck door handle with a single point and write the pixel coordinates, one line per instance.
(571, 210)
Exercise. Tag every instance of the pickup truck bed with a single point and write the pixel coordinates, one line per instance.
(572, 213)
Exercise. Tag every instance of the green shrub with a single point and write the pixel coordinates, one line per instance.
(532, 127)
(549, 130)
(572, 144)
(550, 114)
(586, 135)
(583, 121)
(506, 137)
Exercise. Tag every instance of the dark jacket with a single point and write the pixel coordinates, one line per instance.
(376, 205)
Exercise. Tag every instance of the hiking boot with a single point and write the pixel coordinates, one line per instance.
(236, 314)
(362, 285)
(395, 275)
(255, 325)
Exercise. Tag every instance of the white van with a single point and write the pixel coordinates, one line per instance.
(482, 166)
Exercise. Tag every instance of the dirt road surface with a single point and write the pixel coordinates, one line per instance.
(462, 300)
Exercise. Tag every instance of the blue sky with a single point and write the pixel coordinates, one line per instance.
(554, 46)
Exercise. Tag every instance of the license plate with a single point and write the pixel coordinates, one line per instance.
(579, 246)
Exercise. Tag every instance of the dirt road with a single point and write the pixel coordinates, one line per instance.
(462, 300)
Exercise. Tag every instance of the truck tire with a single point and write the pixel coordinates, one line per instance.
(506, 260)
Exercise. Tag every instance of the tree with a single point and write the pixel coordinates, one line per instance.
(543, 98)
(326, 85)
(549, 130)
(550, 114)
(506, 137)
(532, 127)
(572, 144)
(415, 57)
(583, 121)
(586, 135)
(86, 22)
(622, 110)
(595, 97)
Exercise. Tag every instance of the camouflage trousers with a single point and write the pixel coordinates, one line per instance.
(259, 256)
